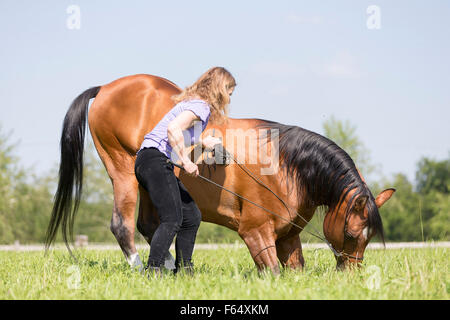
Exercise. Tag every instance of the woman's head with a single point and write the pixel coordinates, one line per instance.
(215, 86)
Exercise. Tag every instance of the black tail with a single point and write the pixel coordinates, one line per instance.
(70, 169)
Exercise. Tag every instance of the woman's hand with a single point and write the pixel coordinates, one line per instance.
(191, 168)
(209, 142)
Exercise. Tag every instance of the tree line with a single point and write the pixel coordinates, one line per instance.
(419, 210)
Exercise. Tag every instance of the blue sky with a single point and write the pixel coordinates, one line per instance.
(296, 62)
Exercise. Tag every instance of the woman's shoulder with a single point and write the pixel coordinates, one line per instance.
(195, 101)
(200, 107)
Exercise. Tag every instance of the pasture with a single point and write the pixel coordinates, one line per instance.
(225, 273)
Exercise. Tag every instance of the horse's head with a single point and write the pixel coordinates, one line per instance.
(350, 225)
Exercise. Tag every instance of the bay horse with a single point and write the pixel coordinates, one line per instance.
(313, 171)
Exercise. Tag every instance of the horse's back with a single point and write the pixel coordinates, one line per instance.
(125, 110)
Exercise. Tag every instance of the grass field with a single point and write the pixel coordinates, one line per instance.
(226, 273)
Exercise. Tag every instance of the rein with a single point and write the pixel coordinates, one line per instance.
(316, 234)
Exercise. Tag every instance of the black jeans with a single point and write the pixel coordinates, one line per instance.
(177, 211)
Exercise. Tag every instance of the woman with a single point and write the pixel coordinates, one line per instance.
(179, 216)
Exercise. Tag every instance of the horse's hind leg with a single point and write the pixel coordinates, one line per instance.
(125, 188)
(122, 221)
(289, 251)
(148, 221)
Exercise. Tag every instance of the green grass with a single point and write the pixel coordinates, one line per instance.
(226, 274)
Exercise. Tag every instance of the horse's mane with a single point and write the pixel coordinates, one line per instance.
(325, 172)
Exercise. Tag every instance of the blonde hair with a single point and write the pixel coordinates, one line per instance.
(213, 87)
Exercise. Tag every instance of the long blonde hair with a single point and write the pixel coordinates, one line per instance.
(213, 87)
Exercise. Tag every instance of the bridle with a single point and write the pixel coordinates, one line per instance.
(226, 155)
(342, 253)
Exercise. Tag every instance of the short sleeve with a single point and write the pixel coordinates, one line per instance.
(200, 108)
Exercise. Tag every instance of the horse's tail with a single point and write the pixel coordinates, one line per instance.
(70, 169)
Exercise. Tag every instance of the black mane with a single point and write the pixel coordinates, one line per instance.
(324, 170)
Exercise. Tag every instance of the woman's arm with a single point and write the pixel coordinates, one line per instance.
(175, 129)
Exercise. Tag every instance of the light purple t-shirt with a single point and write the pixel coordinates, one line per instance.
(158, 136)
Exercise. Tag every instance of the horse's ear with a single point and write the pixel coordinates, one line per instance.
(384, 196)
(360, 203)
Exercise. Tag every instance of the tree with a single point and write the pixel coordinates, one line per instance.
(7, 178)
(433, 175)
(421, 211)
(343, 133)
(433, 188)
(32, 208)
(401, 215)
(25, 199)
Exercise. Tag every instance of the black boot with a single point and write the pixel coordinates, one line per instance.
(185, 269)
(153, 272)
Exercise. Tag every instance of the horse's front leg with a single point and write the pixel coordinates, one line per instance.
(261, 244)
(289, 250)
